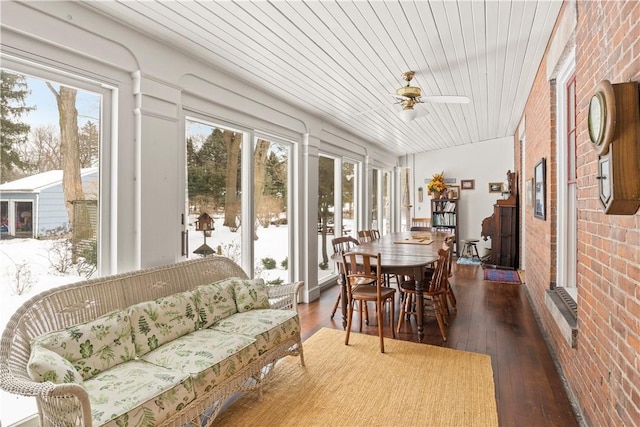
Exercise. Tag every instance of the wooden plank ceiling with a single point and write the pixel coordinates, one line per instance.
(341, 60)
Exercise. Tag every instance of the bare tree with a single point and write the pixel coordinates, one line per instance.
(233, 142)
(267, 208)
(42, 153)
(69, 147)
(259, 172)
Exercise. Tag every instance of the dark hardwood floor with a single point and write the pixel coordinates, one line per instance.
(494, 319)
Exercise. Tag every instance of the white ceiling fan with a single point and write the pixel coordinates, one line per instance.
(409, 96)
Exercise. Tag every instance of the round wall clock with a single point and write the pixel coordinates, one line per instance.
(602, 117)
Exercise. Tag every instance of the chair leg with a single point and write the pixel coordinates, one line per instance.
(366, 312)
(391, 315)
(452, 299)
(349, 322)
(360, 312)
(444, 307)
(337, 303)
(380, 325)
(437, 308)
(411, 306)
(403, 310)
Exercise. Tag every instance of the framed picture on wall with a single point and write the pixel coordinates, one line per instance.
(539, 190)
(495, 187)
(467, 184)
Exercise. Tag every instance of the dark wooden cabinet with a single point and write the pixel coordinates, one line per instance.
(444, 216)
(502, 228)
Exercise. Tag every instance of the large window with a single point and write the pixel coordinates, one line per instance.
(349, 199)
(386, 203)
(271, 193)
(405, 191)
(375, 219)
(214, 190)
(338, 185)
(326, 215)
(50, 198)
(567, 188)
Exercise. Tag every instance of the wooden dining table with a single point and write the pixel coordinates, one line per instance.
(403, 253)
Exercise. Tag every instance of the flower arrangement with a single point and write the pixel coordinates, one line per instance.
(437, 185)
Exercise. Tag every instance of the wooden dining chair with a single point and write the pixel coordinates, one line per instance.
(364, 236)
(340, 245)
(363, 274)
(434, 294)
(375, 235)
(450, 296)
(449, 299)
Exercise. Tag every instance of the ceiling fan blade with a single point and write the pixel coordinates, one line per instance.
(422, 112)
(446, 99)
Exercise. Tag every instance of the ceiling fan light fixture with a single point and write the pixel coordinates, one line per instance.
(407, 114)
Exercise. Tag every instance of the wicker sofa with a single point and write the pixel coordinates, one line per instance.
(161, 346)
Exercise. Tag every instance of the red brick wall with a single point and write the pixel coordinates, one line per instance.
(603, 371)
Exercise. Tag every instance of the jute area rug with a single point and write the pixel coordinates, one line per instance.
(410, 384)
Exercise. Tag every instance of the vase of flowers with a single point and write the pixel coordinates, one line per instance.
(437, 186)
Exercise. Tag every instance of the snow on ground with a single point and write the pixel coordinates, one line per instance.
(33, 253)
(272, 242)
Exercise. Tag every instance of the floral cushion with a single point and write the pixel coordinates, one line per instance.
(209, 356)
(94, 346)
(46, 365)
(215, 301)
(250, 294)
(165, 319)
(137, 393)
(269, 327)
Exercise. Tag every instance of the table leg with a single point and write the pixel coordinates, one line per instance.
(420, 307)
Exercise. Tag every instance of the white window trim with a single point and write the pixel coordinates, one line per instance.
(564, 74)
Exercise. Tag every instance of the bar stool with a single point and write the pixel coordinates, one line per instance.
(469, 249)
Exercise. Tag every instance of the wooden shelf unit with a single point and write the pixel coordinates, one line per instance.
(444, 217)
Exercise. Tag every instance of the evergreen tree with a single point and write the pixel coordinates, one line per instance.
(89, 139)
(276, 175)
(206, 169)
(13, 131)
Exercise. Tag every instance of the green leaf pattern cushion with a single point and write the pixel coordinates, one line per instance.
(94, 346)
(46, 365)
(209, 356)
(215, 302)
(250, 294)
(162, 320)
(137, 394)
(269, 327)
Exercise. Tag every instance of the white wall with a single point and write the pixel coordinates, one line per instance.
(486, 161)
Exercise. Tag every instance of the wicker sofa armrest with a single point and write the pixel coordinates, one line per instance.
(284, 296)
(64, 402)
(15, 385)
